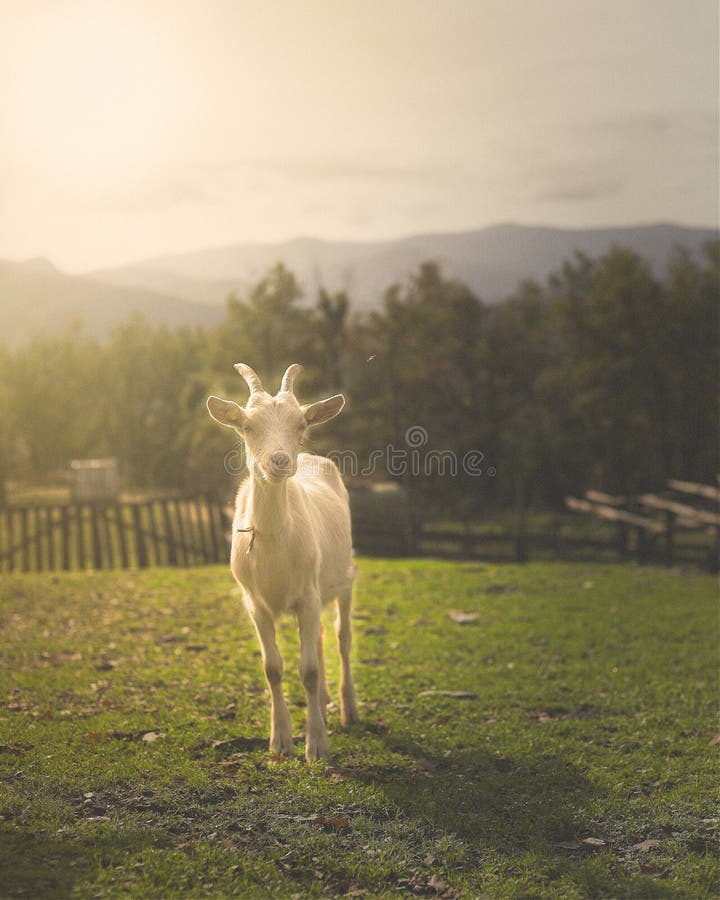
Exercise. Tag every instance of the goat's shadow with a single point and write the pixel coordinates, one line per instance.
(481, 796)
(498, 803)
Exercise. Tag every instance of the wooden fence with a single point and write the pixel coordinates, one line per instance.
(650, 528)
(189, 531)
(182, 531)
(649, 525)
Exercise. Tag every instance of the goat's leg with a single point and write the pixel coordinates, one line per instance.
(324, 693)
(281, 728)
(316, 744)
(348, 703)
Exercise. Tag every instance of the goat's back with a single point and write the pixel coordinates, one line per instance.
(312, 468)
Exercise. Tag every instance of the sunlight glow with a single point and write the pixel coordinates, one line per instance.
(95, 95)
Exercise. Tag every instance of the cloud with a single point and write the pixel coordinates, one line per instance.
(579, 187)
(330, 169)
(696, 124)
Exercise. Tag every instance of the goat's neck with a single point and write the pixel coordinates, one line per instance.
(268, 505)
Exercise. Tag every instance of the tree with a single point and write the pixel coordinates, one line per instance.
(429, 374)
(145, 375)
(520, 350)
(691, 362)
(269, 329)
(610, 319)
(54, 411)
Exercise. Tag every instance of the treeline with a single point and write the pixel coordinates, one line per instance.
(603, 376)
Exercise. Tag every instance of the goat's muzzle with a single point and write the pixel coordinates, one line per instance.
(279, 465)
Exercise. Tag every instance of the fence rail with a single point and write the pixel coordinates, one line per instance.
(656, 520)
(181, 531)
(194, 530)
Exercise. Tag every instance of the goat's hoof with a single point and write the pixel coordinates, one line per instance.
(316, 750)
(349, 716)
(282, 747)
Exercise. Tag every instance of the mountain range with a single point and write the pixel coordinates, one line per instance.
(36, 297)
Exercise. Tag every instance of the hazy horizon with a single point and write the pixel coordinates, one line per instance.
(132, 131)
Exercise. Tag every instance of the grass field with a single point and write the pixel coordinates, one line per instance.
(134, 720)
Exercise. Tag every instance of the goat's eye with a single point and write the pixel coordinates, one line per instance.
(248, 429)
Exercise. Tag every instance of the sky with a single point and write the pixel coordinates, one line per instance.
(130, 129)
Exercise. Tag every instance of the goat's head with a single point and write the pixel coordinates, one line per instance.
(273, 427)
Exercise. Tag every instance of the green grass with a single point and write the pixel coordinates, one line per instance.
(594, 715)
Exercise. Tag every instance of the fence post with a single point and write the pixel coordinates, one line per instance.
(669, 529)
(641, 544)
(64, 538)
(622, 541)
(95, 531)
(51, 537)
(139, 537)
(200, 510)
(216, 531)
(558, 542)
(714, 555)
(80, 534)
(468, 543)
(187, 552)
(24, 539)
(10, 545)
(121, 535)
(169, 536)
(107, 535)
(152, 531)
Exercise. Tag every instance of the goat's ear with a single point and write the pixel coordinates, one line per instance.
(323, 410)
(226, 412)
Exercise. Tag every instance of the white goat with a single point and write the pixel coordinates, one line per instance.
(291, 546)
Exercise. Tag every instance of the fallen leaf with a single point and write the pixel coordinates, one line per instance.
(106, 665)
(335, 821)
(501, 588)
(650, 870)
(463, 618)
(98, 819)
(594, 843)
(714, 741)
(92, 736)
(644, 846)
(441, 887)
(151, 736)
(453, 695)
(126, 735)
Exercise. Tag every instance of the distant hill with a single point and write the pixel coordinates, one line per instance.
(36, 298)
(493, 261)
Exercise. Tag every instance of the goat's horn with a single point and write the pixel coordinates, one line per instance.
(251, 376)
(289, 376)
